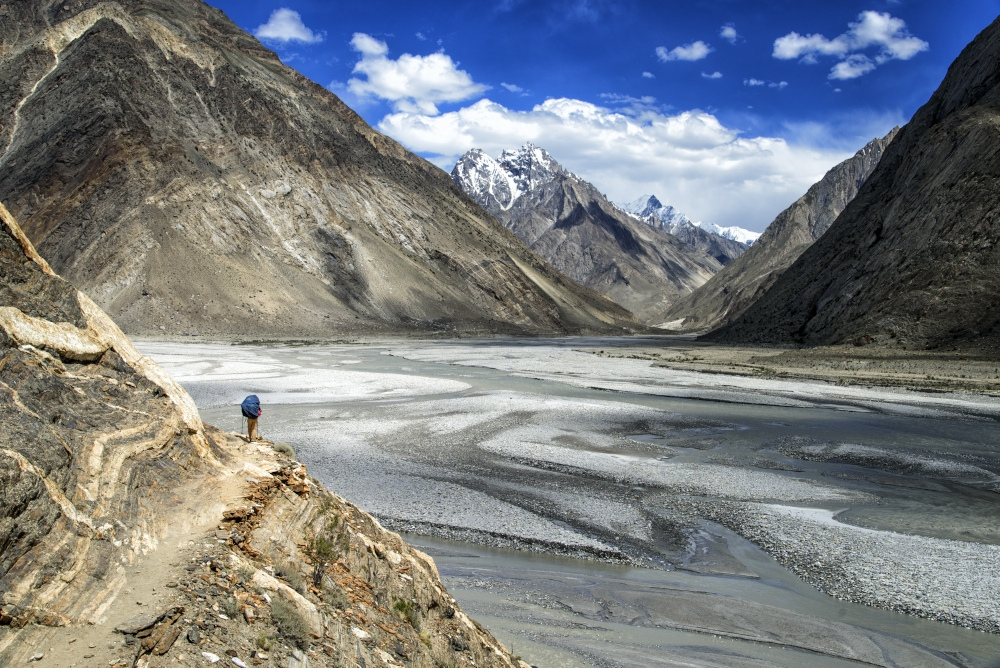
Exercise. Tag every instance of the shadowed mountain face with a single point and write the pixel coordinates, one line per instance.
(734, 289)
(915, 256)
(165, 162)
(573, 226)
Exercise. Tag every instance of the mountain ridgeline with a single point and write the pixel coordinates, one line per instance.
(913, 260)
(734, 289)
(571, 224)
(170, 166)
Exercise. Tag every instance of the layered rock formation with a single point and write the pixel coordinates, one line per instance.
(569, 223)
(171, 167)
(104, 460)
(914, 257)
(734, 289)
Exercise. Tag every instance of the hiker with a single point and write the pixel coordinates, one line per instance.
(251, 411)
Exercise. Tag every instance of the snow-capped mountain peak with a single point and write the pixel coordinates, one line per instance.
(503, 180)
(650, 210)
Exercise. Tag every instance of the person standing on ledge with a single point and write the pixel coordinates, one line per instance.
(251, 411)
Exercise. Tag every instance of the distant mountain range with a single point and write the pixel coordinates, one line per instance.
(166, 163)
(734, 289)
(914, 258)
(581, 233)
(725, 244)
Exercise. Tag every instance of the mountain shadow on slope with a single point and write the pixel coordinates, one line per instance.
(734, 289)
(913, 260)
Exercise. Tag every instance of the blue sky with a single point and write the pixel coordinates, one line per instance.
(727, 109)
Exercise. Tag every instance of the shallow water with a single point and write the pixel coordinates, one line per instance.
(508, 443)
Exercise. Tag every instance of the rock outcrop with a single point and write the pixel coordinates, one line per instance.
(166, 163)
(104, 462)
(734, 289)
(914, 258)
(571, 224)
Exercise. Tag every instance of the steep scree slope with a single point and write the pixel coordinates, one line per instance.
(730, 292)
(170, 166)
(914, 257)
(572, 225)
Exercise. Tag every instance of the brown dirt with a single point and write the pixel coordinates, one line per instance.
(947, 371)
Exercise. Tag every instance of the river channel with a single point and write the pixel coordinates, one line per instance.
(596, 511)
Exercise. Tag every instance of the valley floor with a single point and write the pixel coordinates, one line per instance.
(949, 371)
(596, 508)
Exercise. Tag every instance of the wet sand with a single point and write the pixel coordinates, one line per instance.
(542, 448)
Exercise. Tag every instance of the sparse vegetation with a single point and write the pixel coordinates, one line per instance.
(265, 641)
(289, 621)
(284, 449)
(231, 608)
(323, 546)
(406, 610)
(290, 574)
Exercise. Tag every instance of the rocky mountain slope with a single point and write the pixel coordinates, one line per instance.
(914, 257)
(134, 535)
(171, 167)
(734, 289)
(572, 225)
(725, 244)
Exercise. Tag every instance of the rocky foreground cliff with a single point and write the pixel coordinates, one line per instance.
(167, 164)
(133, 535)
(913, 260)
(734, 289)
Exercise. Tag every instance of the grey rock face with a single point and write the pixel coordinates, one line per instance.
(170, 166)
(734, 289)
(914, 257)
(583, 235)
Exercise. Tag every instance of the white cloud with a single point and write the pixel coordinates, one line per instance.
(512, 87)
(713, 75)
(688, 159)
(421, 36)
(777, 84)
(887, 34)
(694, 51)
(852, 67)
(648, 75)
(753, 82)
(285, 25)
(728, 33)
(414, 84)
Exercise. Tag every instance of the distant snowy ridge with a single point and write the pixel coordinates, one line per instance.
(651, 211)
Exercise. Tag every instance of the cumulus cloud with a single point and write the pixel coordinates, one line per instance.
(648, 75)
(777, 84)
(285, 25)
(694, 51)
(728, 33)
(885, 35)
(512, 87)
(415, 84)
(421, 36)
(713, 75)
(753, 82)
(689, 159)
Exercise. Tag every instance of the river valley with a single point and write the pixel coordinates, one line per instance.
(594, 510)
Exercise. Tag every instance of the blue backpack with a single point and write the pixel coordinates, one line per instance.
(250, 406)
